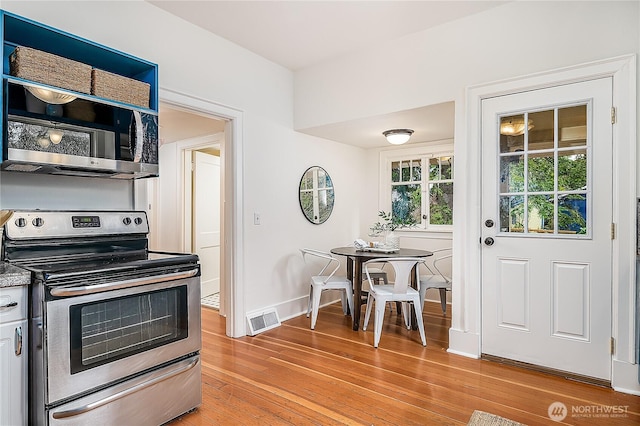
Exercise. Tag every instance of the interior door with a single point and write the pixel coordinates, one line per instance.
(206, 219)
(546, 231)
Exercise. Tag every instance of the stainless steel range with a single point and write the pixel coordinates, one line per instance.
(115, 328)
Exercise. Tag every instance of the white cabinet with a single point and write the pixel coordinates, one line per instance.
(13, 356)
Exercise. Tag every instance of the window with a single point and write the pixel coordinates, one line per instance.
(441, 191)
(544, 173)
(419, 186)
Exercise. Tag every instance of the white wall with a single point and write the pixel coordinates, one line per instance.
(439, 65)
(516, 39)
(34, 191)
(194, 62)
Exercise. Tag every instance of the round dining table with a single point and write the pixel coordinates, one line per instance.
(355, 259)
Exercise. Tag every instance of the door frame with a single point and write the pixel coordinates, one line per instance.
(232, 258)
(465, 333)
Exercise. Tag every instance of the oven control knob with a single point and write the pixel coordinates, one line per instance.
(21, 222)
(37, 222)
(126, 221)
(138, 221)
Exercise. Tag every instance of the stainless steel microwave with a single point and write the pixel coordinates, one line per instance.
(78, 138)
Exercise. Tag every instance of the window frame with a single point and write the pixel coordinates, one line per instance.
(424, 152)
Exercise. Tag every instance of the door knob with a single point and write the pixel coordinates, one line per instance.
(489, 241)
(488, 223)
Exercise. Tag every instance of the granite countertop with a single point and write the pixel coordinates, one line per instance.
(11, 275)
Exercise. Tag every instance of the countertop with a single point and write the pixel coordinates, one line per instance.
(11, 275)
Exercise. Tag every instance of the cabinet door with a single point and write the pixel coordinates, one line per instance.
(13, 373)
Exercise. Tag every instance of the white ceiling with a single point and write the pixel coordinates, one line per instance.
(299, 34)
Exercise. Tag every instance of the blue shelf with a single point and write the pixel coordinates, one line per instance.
(20, 31)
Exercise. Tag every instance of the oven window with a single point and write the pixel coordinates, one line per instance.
(106, 331)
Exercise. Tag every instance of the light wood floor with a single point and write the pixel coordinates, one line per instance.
(292, 375)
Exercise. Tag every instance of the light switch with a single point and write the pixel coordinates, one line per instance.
(256, 218)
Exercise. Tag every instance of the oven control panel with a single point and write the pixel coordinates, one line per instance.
(62, 224)
(87, 221)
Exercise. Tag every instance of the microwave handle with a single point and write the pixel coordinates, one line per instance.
(116, 285)
(186, 366)
(138, 137)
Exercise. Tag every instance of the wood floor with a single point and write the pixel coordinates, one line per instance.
(292, 375)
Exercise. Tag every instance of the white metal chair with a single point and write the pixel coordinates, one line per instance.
(436, 278)
(399, 291)
(379, 275)
(323, 281)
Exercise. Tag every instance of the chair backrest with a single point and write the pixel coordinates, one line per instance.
(435, 267)
(439, 269)
(327, 258)
(402, 267)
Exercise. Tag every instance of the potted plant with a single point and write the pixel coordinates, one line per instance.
(389, 223)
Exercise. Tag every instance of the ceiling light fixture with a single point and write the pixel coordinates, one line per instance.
(50, 96)
(514, 127)
(397, 136)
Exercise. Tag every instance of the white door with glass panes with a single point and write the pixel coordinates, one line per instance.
(546, 231)
(422, 189)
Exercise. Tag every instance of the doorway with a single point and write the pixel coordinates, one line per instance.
(465, 336)
(172, 225)
(547, 209)
(192, 145)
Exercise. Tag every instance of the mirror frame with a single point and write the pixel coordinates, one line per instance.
(310, 212)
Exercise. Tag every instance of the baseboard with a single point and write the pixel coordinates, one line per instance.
(624, 377)
(464, 343)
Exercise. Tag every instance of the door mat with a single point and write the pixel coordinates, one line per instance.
(480, 418)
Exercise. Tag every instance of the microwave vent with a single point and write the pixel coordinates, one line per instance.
(23, 167)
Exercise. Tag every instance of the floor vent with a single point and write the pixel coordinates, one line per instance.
(262, 321)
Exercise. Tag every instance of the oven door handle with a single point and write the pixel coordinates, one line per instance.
(99, 288)
(186, 366)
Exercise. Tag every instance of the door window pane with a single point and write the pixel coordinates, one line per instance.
(540, 213)
(512, 173)
(512, 213)
(547, 170)
(541, 130)
(572, 170)
(541, 172)
(572, 122)
(572, 214)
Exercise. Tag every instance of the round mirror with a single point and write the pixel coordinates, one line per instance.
(316, 195)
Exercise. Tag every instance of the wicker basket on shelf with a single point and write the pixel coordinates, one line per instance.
(47, 68)
(119, 88)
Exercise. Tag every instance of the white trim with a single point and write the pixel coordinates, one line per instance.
(232, 268)
(465, 331)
